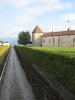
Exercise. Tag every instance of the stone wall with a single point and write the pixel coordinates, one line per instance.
(59, 41)
(37, 39)
(47, 41)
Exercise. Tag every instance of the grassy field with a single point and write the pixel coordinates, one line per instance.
(3, 52)
(57, 61)
(69, 52)
(3, 49)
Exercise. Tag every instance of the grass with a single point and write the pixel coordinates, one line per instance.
(3, 49)
(57, 61)
(3, 52)
(66, 52)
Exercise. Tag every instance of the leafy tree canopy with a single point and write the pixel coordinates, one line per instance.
(24, 38)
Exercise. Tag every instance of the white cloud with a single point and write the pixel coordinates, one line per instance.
(45, 3)
(21, 19)
(71, 27)
(37, 8)
(16, 3)
(35, 3)
(19, 3)
(28, 10)
(69, 16)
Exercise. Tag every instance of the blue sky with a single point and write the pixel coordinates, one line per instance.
(23, 15)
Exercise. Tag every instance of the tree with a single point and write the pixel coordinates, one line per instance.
(24, 38)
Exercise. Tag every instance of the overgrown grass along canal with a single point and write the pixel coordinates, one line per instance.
(3, 49)
(3, 52)
(57, 61)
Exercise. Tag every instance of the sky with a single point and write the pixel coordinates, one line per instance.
(24, 15)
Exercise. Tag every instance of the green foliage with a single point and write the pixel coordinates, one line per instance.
(24, 38)
(59, 62)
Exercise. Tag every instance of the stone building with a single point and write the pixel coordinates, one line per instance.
(37, 36)
(53, 39)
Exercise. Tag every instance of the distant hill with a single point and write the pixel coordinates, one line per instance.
(12, 41)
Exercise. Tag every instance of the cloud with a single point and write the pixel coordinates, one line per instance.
(35, 3)
(71, 27)
(69, 16)
(29, 9)
(16, 3)
(33, 8)
(19, 3)
(21, 19)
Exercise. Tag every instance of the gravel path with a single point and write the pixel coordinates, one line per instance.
(15, 86)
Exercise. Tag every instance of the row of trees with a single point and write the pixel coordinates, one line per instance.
(24, 38)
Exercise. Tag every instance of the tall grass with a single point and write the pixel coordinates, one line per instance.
(3, 49)
(3, 54)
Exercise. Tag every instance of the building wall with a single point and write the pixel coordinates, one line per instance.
(67, 40)
(59, 41)
(51, 41)
(55, 41)
(47, 41)
(37, 39)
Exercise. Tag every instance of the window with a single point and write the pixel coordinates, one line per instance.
(53, 41)
(43, 40)
(73, 41)
(58, 41)
(49, 40)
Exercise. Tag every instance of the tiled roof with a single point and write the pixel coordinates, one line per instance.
(68, 32)
(37, 30)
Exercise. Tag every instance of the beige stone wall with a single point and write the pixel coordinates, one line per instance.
(37, 39)
(67, 40)
(59, 41)
(51, 41)
(56, 44)
(47, 41)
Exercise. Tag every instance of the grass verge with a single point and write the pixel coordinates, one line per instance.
(57, 61)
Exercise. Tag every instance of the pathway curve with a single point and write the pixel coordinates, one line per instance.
(15, 85)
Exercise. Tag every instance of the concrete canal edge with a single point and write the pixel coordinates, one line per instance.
(4, 61)
(46, 87)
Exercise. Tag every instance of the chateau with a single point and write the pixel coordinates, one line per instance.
(53, 39)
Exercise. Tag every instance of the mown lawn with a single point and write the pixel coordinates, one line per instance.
(69, 52)
(57, 61)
